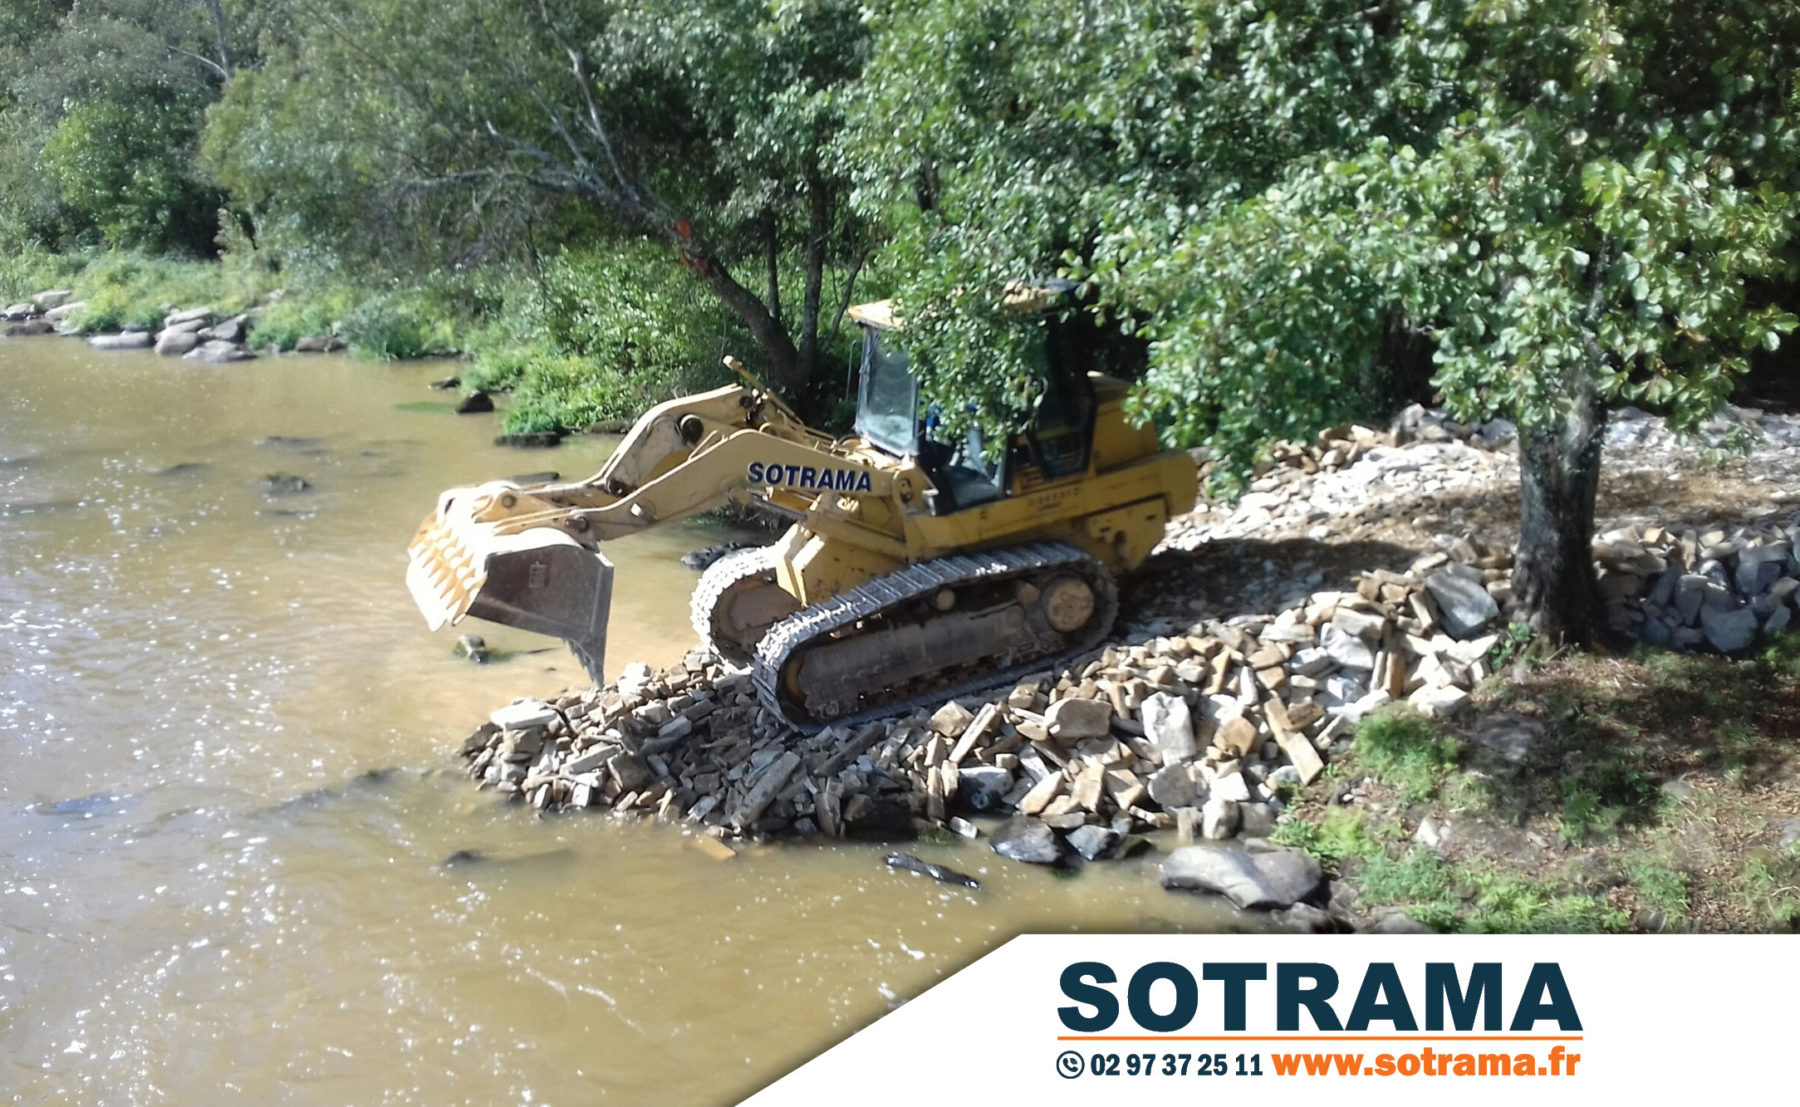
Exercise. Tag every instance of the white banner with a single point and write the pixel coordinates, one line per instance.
(1084, 1019)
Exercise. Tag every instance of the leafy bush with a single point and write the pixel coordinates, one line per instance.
(293, 317)
(396, 326)
(31, 270)
(606, 333)
(122, 288)
(123, 169)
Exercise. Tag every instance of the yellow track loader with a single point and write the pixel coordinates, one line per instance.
(915, 568)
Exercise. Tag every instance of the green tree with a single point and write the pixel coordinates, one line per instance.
(710, 125)
(1565, 198)
(100, 108)
(123, 169)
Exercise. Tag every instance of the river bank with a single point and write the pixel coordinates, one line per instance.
(581, 342)
(1264, 724)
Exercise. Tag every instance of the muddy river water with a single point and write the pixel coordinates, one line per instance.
(227, 786)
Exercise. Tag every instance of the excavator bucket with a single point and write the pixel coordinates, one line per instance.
(539, 580)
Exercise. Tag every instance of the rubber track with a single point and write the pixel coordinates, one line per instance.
(874, 596)
(717, 577)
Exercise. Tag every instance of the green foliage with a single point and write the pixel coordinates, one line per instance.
(1513, 643)
(1659, 887)
(1770, 885)
(32, 269)
(300, 315)
(121, 288)
(1600, 796)
(1507, 903)
(1339, 833)
(633, 311)
(1555, 196)
(1404, 748)
(122, 168)
(398, 325)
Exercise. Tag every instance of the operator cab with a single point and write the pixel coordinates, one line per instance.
(1067, 350)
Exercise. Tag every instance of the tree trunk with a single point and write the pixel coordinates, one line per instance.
(1559, 477)
(772, 258)
(787, 371)
(818, 228)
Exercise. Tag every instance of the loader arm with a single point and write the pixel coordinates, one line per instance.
(528, 556)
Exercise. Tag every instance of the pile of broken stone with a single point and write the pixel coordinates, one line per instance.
(198, 334)
(1201, 733)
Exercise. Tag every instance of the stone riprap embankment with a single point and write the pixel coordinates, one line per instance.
(1198, 729)
(197, 334)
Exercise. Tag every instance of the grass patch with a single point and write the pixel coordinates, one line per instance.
(1406, 749)
(1770, 888)
(1509, 903)
(1659, 887)
(1340, 833)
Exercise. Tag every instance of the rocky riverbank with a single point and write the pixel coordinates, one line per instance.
(1205, 729)
(198, 333)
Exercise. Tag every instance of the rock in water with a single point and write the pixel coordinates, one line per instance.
(1093, 842)
(284, 484)
(475, 403)
(1253, 881)
(218, 353)
(530, 439)
(702, 558)
(176, 343)
(1024, 838)
(939, 873)
(121, 341)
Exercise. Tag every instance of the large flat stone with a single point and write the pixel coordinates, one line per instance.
(1074, 719)
(138, 341)
(1253, 881)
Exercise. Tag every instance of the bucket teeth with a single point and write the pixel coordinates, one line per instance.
(442, 575)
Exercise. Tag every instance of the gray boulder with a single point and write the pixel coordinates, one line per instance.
(1093, 842)
(231, 330)
(1731, 631)
(176, 343)
(140, 341)
(983, 787)
(1266, 881)
(1465, 605)
(1027, 839)
(218, 352)
(199, 316)
(18, 313)
(1170, 725)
